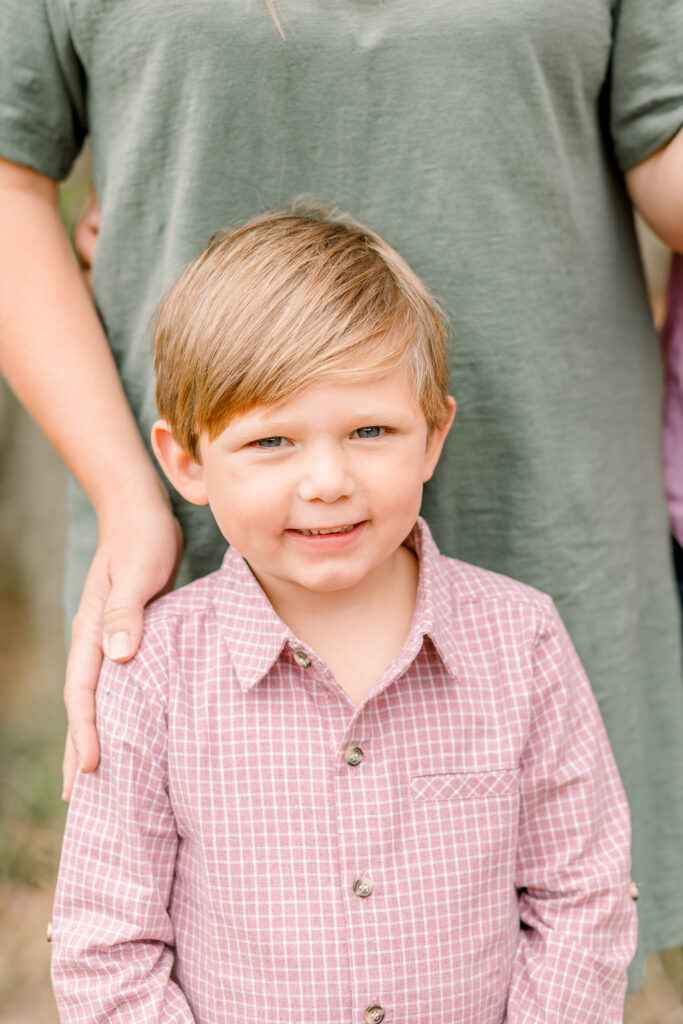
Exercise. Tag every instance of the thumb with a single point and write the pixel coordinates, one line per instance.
(122, 620)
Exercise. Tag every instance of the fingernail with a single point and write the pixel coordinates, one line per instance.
(64, 797)
(80, 768)
(118, 645)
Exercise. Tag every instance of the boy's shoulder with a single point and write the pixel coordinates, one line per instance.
(475, 604)
(184, 620)
(454, 581)
(189, 601)
(182, 640)
(480, 615)
(471, 583)
(467, 599)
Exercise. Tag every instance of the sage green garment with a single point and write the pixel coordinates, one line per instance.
(483, 140)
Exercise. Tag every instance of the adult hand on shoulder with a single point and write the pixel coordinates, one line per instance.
(136, 560)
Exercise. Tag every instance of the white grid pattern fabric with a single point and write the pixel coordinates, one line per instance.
(209, 863)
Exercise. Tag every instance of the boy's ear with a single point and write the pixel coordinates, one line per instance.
(435, 442)
(184, 472)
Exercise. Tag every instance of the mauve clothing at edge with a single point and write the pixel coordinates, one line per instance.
(672, 432)
(224, 830)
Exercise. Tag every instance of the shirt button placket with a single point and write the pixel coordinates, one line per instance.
(363, 887)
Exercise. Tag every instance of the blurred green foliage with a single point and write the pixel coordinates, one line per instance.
(31, 739)
(31, 813)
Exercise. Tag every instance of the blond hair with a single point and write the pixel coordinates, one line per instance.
(287, 301)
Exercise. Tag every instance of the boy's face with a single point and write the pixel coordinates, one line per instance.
(346, 459)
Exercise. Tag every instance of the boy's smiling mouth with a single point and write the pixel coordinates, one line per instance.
(326, 538)
(328, 530)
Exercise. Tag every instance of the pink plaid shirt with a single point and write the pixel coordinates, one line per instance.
(253, 847)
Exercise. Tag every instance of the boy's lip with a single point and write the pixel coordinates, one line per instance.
(324, 530)
(344, 533)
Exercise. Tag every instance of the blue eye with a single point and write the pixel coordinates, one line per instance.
(369, 432)
(270, 442)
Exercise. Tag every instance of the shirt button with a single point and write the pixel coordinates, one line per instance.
(374, 1015)
(635, 890)
(363, 887)
(48, 932)
(302, 659)
(353, 756)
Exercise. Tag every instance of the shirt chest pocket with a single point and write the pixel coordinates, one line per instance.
(471, 818)
(443, 785)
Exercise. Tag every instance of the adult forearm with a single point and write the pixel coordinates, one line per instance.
(656, 189)
(54, 354)
(53, 350)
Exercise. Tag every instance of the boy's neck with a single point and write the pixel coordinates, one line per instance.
(357, 632)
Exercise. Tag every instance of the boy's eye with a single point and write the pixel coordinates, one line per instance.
(271, 442)
(369, 432)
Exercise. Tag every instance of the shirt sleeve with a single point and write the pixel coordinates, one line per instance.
(573, 865)
(646, 82)
(42, 87)
(112, 938)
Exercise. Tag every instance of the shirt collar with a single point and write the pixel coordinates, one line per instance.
(256, 636)
(432, 616)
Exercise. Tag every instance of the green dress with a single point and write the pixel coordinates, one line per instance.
(484, 140)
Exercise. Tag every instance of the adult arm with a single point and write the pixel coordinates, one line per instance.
(55, 356)
(112, 937)
(645, 102)
(573, 854)
(656, 189)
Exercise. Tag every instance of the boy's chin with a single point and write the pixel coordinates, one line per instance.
(330, 584)
(326, 583)
(312, 582)
(334, 588)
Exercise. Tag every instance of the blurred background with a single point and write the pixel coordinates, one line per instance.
(32, 718)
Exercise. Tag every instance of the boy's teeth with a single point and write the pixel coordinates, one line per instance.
(316, 533)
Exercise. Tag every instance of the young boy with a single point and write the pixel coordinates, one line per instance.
(345, 779)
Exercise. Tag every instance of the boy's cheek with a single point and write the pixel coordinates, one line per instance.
(241, 511)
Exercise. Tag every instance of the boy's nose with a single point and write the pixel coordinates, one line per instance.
(326, 478)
